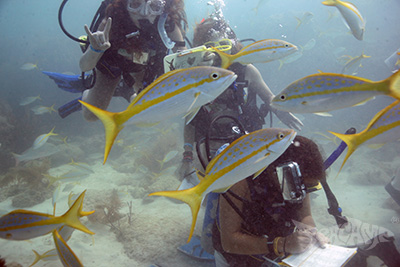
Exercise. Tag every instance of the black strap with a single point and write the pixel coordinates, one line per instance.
(234, 207)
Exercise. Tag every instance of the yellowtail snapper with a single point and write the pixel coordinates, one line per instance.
(246, 156)
(324, 92)
(175, 93)
(258, 52)
(25, 224)
(383, 128)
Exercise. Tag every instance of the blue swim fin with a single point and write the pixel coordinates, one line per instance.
(193, 249)
(70, 107)
(69, 83)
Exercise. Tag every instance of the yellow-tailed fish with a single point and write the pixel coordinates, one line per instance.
(258, 52)
(65, 253)
(352, 65)
(48, 255)
(175, 93)
(259, 4)
(25, 224)
(29, 66)
(383, 128)
(42, 139)
(246, 156)
(307, 16)
(324, 92)
(28, 100)
(351, 15)
(39, 110)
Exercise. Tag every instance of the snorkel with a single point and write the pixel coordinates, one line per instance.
(163, 33)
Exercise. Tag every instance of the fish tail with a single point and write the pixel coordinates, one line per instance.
(351, 142)
(189, 196)
(71, 217)
(330, 2)
(280, 64)
(38, 257)
(226, 59)
(394, 85)
(298, 22)
(112, 125)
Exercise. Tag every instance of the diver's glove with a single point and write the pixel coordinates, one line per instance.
(99, 40)
(288, 118)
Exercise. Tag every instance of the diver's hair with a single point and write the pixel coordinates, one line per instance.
(306, 153)
(205, 30)
(121, 20)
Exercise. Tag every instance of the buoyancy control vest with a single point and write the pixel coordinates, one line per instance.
(118, 61)
(238, 100)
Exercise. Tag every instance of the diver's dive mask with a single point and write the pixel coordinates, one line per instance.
(291, 182)
(146, 7)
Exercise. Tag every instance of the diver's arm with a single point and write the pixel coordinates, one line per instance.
(256, 82)
(304, 213)
(233, 239)
(99, 42)
(177, 36)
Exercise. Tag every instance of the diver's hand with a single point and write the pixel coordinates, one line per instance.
(298, 242)
(99, 40)
(288, 118)
(321, 239)
(208, 59)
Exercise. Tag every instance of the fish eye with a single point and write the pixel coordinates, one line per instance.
(280, 136)
(282, 97)
(214, 75)
(286, 45)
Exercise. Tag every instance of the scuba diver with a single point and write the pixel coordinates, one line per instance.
(128, 39)
(239, 100)
(256, 217)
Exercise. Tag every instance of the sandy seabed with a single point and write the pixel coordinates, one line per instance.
(156, 226)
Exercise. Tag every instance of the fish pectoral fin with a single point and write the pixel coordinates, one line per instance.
(190, 115)
(262, 158)
(323, 114)
(364, 102)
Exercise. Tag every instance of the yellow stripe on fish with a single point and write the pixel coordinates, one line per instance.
(65, 253)
(383, 128)
(324, 92)
(258, 52)
(175, 93)
(351, 15)
(25, 224)
(244, 157)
